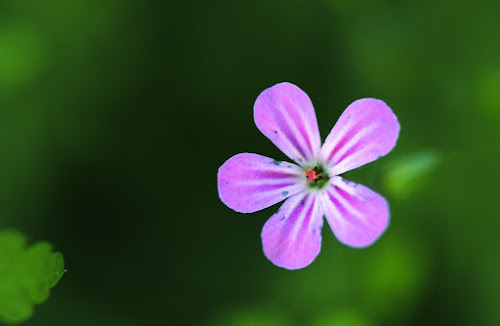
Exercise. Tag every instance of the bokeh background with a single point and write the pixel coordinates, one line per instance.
(115, 116)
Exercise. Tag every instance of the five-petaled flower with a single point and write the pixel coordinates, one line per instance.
(247, 182)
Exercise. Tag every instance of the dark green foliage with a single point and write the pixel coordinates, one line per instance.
(115, 116)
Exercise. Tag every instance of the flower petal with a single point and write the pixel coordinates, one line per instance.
(357, 215)
(250, 182)
(367, 130)
(284, 114)
(291, 238)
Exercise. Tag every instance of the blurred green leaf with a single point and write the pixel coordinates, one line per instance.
(23, 55)
(26, 275)
(262, 315)
(488, 94)
(395, 275)
(343, 317)
(405, 175)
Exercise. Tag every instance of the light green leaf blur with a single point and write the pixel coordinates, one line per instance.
(263, 315)
(343, 317)
(23, 55)
(407, 174)
(26, 275)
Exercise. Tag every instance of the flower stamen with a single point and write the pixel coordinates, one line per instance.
(310, 174)
(313, 174)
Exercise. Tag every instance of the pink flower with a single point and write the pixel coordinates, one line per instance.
(312, 187)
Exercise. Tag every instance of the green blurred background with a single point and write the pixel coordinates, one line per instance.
(115, 116)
